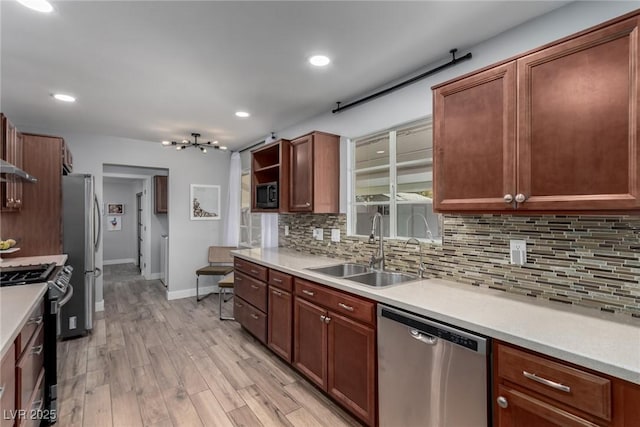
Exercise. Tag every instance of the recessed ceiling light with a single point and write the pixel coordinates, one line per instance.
(380, 152)
(319, 60)
(63, 97)
(39, 5)
(242, 114)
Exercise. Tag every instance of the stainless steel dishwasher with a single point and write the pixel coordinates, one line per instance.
(430, 374)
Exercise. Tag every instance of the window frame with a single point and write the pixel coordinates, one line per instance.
(250, 226)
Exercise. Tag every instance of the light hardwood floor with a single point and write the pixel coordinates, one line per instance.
(152, 362)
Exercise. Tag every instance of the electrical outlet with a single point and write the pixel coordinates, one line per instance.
(518, 251)
(335, 234)
(73, 322)
(286, 230)
(318, 233)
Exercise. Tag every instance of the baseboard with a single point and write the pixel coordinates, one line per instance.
(118, 261)
(99, 305)
(186, 293)
(154, 276)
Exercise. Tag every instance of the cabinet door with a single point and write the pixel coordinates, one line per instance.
(161, 199)
(8, 386)
(523, 410)
(578, 115)
(280, 318)
(474, 141)
(310, 341)
(352, 363)
(301, 175)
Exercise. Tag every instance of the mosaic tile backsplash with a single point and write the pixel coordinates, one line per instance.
(591, 261)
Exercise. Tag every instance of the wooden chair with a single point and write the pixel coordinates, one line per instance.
(220, 264)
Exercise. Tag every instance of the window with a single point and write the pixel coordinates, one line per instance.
(392, 173)
(250, 225)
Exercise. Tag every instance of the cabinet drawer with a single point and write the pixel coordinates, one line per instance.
(576, 388)
(255, 270)
(281, 280)
(339, 302)
(251, 290)
(35, 319)
(35, 407)
(8, 384)
(29, 367)
(252, 319)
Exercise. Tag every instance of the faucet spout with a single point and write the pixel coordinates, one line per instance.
(379, 257)
(421, 267)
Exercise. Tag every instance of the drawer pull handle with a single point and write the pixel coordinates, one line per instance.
(278, 293)
(1, 391)
(238, 279)
(37, 349)
(36, 320)
(275, 279)
(239, 305)
(345, 306)
(255, 271)
(502, 402)
(253, 316)
(306, 292)
(547, 382)
(255, 287)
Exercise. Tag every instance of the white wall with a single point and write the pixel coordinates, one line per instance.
(120, 244)
(189, 239)
(415, 101)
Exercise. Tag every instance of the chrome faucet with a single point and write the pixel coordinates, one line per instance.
(377, 258)
(421, 266)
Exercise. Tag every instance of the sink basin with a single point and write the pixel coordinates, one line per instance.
(341, 270)
(382, 278)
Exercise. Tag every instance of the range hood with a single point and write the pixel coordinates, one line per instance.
(9, 169)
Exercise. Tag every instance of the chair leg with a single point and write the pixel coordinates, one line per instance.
(198, 299)
(221, 294)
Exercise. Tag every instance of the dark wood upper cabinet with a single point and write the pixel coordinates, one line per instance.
(160, 191)
(314, 178)
(270, 164)
(552, 130)
(474, 140)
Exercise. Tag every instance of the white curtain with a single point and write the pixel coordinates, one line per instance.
(232, 232)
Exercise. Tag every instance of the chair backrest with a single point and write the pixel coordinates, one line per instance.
(221, 254)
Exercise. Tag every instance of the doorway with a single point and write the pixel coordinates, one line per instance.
(139, 229)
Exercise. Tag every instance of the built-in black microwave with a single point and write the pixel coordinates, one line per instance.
(267, 195)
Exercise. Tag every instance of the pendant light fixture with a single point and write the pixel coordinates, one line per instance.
(201, 145)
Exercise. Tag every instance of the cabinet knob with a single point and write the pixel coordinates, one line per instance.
(307, 204)
(327, 319)
(508, 198)
(520, 198)
(502, 402)
(322, 317)
(18, 202)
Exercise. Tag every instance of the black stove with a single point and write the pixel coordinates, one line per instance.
(26, 274)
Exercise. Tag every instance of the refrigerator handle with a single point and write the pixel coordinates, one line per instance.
(98, 223)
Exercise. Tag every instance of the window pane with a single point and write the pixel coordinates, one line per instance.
(245, 196)
(372, 186)
(418, 220)
(372, 151)
(364, 215)
(415, 142)
(244, 236)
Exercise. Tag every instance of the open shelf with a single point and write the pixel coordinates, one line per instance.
(270, 163)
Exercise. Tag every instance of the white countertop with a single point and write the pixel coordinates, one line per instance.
(600, 341)
(16, 304)
(31, 260)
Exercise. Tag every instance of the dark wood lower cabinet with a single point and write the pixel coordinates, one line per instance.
(352, 366)
(310, 338)
(280, 322)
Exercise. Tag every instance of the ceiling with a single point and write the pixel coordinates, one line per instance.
(159, 70)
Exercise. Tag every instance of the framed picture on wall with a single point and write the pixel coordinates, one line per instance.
(115, 208)
(205, 202)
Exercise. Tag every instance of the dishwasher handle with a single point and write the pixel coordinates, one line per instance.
(425, 338)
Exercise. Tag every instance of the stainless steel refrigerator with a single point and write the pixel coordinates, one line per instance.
(81, 236)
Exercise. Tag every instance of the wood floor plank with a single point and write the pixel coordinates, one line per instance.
(270, 386)
(188, 374)
(303, 418)
(97, 357)
(263, 407)
(97, 411)
(209, 409)
(219, 385)
(181, 410)
(244, 417)
(71, 400)
(136, 350)
(125, 409)
(76, 359)
(96, 378)
(227, 362)
(318, 405)
(152, 407)
(98, 336)
(115, 337)
(163, 368)
(120, 376)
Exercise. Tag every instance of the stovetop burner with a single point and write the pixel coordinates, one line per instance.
(25, 274)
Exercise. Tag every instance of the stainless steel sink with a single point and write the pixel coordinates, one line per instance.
(382, 278)
(341, 270)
